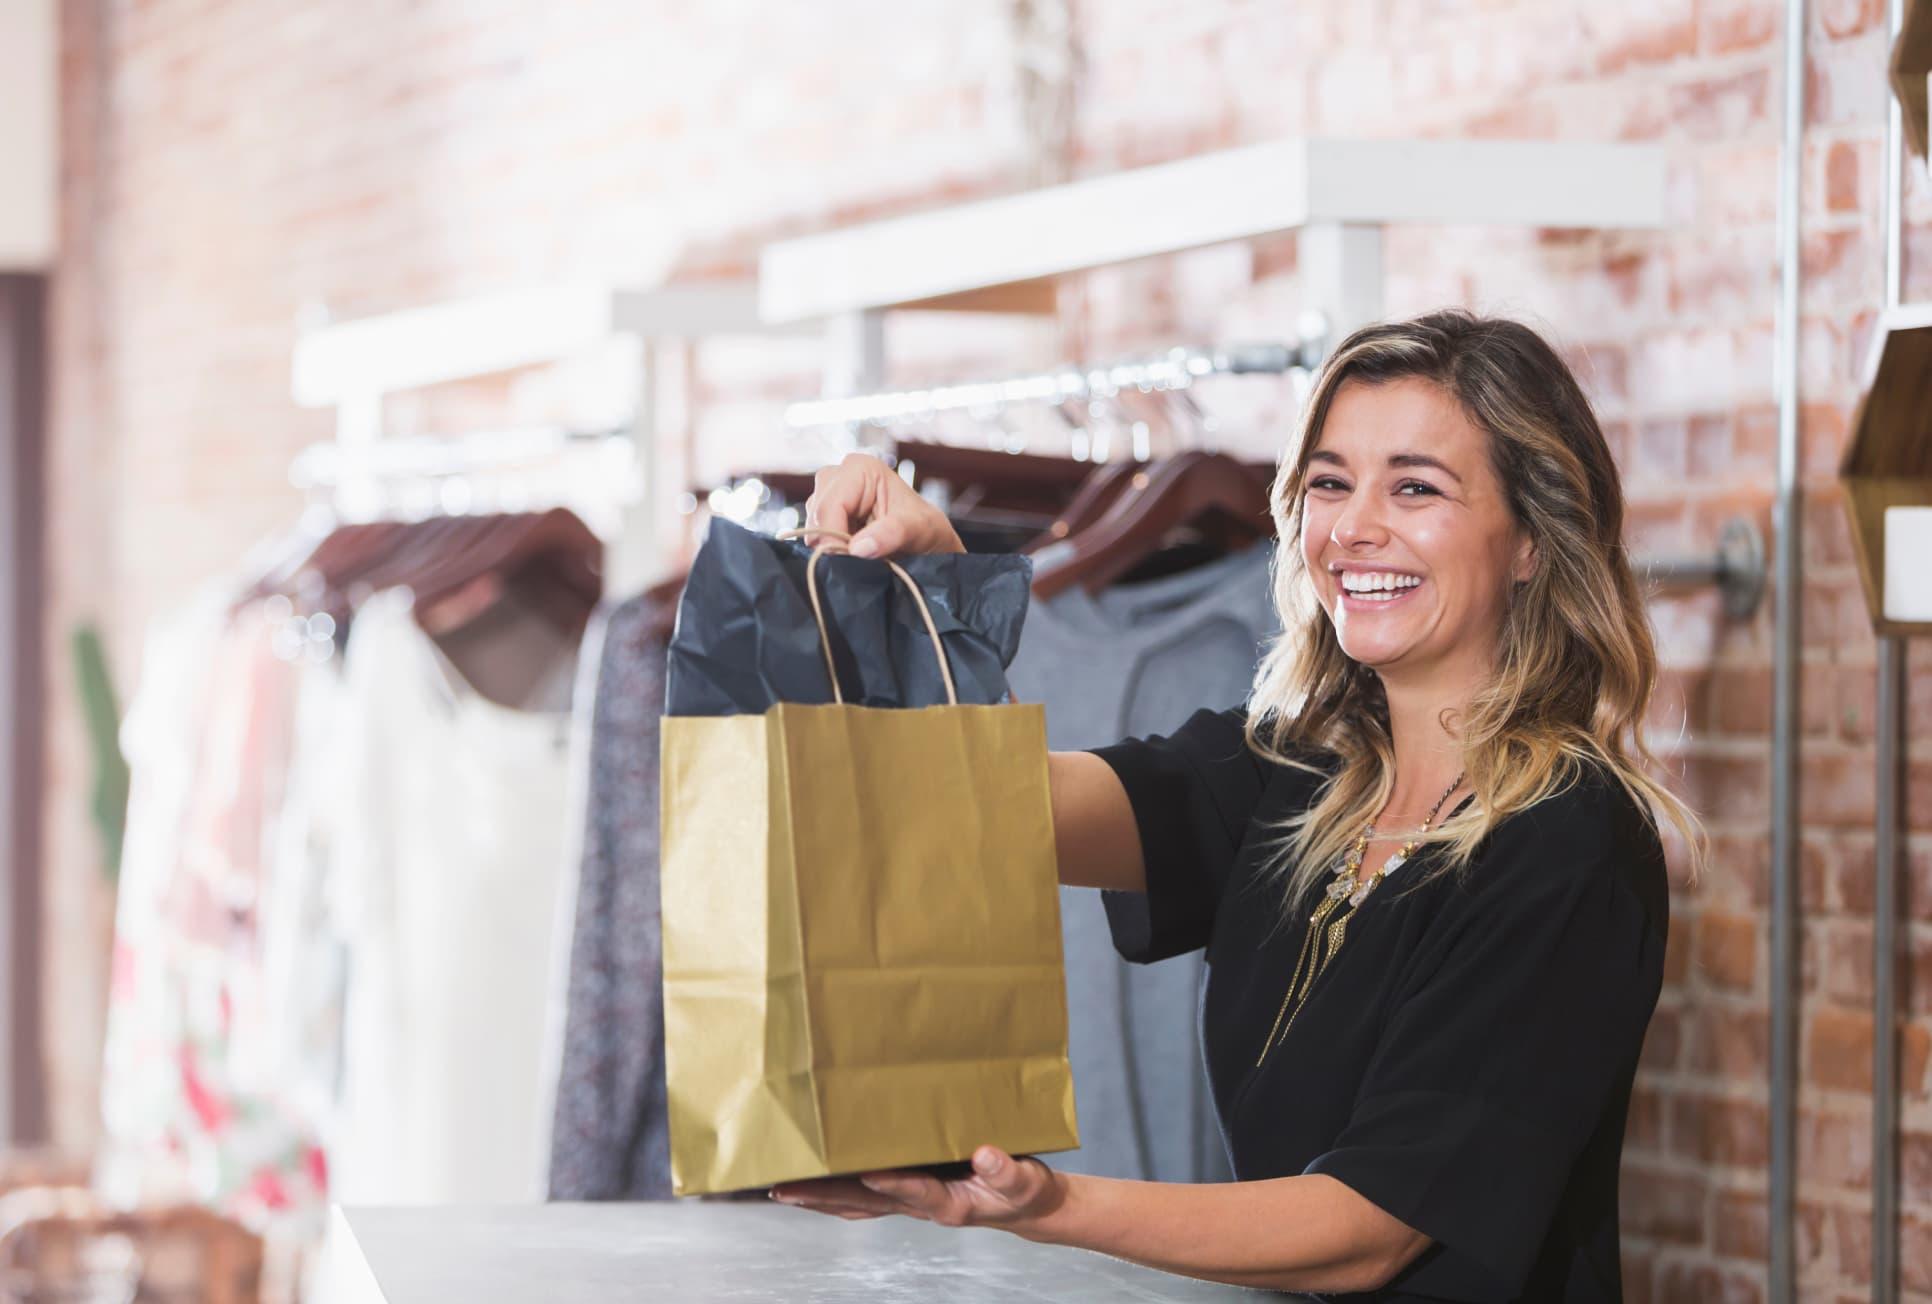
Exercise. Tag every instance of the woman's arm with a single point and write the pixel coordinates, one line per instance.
(1093, 824)
(1309, 1233)
(1292, 1233)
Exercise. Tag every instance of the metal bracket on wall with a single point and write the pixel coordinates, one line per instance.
(1736, 568)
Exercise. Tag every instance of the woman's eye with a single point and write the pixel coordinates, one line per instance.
(1327, 482)
(1416, 488)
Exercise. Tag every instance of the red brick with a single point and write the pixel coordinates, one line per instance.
(1917, 993)
(1663, 1040)
(1741, 1231)
(1852, 1228)
(1841, 177)
(1729, 787)
(1836, 618)
(1740, 1225)
(1644, 1125)
(1914, 1253)
(1834, 1150)
(1662, 448)
(1842, 18)
(1845, 962)
(1840, 86)
(1838, 1050)
(1639, 1268)
(1710, 443)
(1821, 437)
(1728, 26)
(1915, 1167)
(1828, 541)
(1855, 704)
(1663, 1206)
(1742, 863)
(1729, 1043)
(1716, 1130)
(1677, 951)
(1757, 442)
(1684, 1283)
(1841, 267)
(1836, 788)
(1724, 107)
(1727, 950)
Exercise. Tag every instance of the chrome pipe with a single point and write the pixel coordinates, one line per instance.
(1736, 568)
(1786, 650)
(1885, 1082)
(1176, 369)
(1889, 706)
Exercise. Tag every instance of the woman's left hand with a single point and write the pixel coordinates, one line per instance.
(1017, 1194)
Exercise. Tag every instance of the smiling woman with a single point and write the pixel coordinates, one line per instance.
(1422, 1089)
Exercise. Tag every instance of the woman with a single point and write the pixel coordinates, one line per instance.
(1423, 1093)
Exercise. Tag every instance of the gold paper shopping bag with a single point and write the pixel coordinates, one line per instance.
(862, 960)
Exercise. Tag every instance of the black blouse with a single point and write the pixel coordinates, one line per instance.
(1465, 1061)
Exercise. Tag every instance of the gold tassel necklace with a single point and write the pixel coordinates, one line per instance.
(1324, 936)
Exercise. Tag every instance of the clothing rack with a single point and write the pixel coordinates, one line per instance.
(1736, 567)
(594, 473)
(354, 367)
(1175, 369)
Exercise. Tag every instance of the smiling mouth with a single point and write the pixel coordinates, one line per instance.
(1376, 589)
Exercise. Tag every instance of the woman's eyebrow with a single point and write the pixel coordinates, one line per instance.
(1395, 459)
(1423, 459)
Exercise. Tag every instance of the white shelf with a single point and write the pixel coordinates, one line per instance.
(999, 253)
(399, 351)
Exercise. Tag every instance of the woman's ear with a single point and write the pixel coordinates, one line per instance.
(1523, 566)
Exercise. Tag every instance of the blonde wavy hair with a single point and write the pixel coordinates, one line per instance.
(1575, 663)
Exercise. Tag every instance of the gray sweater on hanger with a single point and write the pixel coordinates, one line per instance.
(1134, 660)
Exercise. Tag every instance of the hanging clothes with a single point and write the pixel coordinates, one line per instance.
(610, 1138)
(305, 942)
(1137, 659)
(186, 1112)
(449, 861)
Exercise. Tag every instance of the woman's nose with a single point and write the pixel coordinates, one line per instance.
(1360, 522)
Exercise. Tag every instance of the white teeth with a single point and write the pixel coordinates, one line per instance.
(1377, 582)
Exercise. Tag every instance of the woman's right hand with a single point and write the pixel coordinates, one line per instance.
(864, 498)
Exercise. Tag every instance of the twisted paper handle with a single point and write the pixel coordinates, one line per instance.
(818, 611)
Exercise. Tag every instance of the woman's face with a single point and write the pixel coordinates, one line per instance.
(1408, 537)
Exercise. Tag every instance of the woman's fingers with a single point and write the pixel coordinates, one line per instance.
(882, 538)
(1001, 1191)
(863, 497)
(841, 1199)
(824, 1190)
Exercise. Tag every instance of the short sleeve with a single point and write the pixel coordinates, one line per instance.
(1194, 794)
(1509, 1037)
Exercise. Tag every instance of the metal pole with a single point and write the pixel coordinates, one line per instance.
(1786, 650)
(1890, 697)
(1174, 370)
(1891, 679)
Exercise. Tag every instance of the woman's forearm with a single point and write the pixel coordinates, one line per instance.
(1308, 1233)
(1093, 824)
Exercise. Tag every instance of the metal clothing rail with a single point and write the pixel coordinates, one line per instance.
(1175, 369)
(594, 474)
(1888, 806)
(1786, 654)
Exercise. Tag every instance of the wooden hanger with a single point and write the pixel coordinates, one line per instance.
(1188, 488)
(1004, 482)
(554, 549)
(1102, 488)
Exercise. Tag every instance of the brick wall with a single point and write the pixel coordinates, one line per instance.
(231, 170)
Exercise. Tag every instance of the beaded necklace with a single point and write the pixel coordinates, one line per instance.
(1323, 939)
